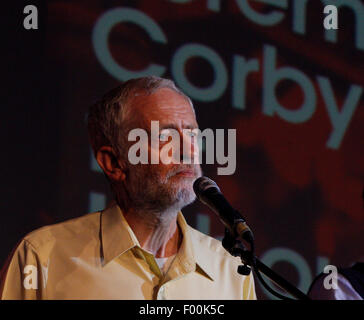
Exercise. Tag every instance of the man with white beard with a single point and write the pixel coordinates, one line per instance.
(140, 247)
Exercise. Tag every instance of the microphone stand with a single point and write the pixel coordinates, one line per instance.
(237, 248)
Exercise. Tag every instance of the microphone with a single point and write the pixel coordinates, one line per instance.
(209, 193)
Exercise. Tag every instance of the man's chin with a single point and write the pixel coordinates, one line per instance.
(185, 196)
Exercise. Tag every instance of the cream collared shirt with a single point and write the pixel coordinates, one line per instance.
(97, 256)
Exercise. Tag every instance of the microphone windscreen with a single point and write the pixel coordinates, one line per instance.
(202, 184)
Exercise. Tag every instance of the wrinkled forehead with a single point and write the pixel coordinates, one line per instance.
(164, 105)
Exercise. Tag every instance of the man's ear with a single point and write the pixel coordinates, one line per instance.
(108, 162)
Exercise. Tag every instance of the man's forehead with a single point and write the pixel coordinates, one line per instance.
(164, 105)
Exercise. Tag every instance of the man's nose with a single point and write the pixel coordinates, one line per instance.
(188, 148)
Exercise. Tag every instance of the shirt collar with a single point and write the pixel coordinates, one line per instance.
(192, 250)
(117, 237)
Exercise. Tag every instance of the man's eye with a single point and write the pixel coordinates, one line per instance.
(163, 136)
(191, 134)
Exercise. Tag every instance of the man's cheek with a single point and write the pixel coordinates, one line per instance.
(196, 153)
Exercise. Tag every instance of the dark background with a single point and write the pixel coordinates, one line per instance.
(302, 199)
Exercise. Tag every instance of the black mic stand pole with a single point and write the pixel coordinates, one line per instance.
(246, 258)
(237, 248)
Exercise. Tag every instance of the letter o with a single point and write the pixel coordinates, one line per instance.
(220, 82)
(275, 255)
(100, 35)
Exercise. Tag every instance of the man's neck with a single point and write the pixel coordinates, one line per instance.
(157, 233)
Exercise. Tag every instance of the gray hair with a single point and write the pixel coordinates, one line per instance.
(107, 118)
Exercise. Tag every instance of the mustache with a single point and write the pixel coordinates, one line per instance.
(182, 168)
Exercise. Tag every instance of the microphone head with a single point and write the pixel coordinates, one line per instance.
(202, 184)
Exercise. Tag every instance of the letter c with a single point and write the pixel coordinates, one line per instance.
(100, 36)
(218, 309)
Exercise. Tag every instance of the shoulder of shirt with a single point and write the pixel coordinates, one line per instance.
(84, 226)
(210, 243)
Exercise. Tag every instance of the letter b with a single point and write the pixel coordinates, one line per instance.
(272, 76)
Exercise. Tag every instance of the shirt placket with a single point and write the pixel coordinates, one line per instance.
(180, 269)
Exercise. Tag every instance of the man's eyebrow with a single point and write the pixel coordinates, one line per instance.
(173, 126)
